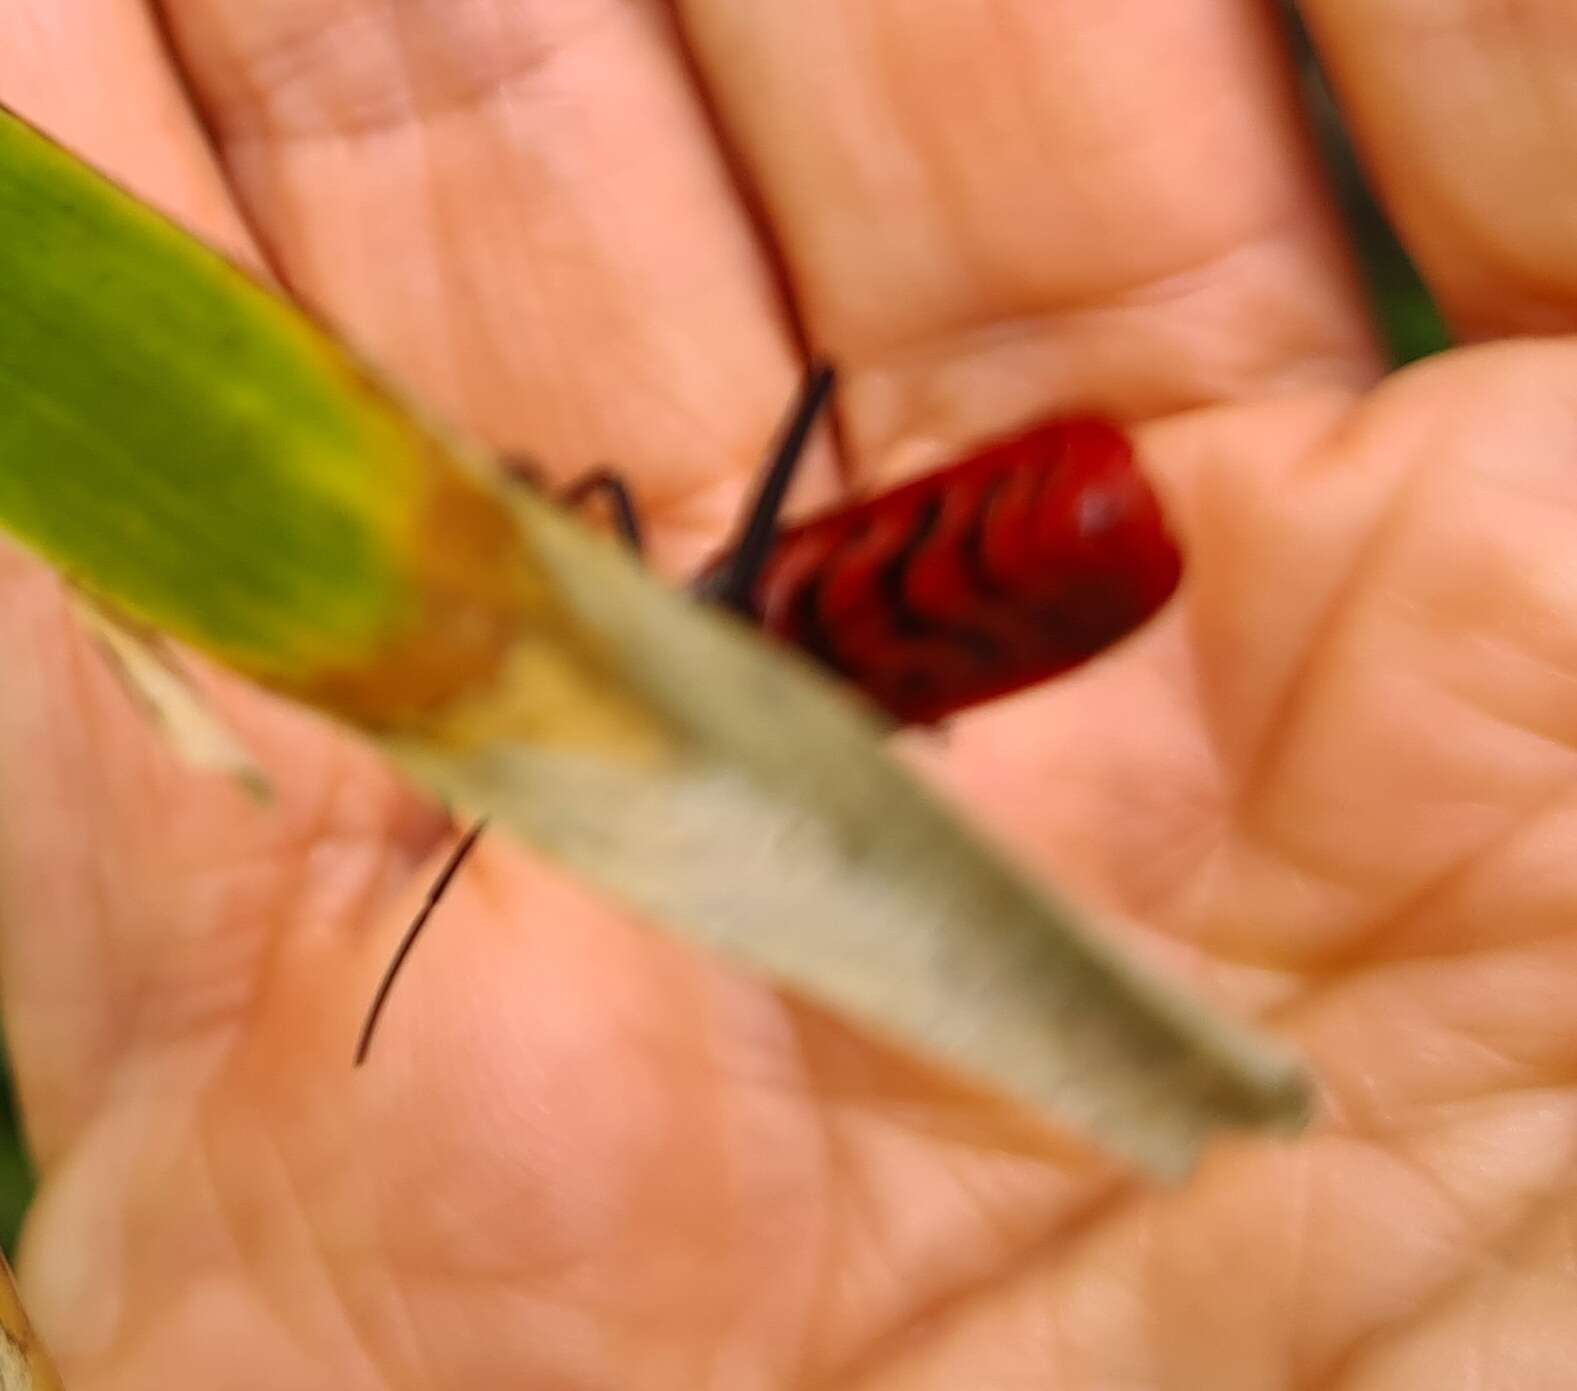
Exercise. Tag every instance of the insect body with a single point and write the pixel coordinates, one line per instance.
(1023, 560)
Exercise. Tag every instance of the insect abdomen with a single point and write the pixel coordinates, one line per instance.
(1023, 560)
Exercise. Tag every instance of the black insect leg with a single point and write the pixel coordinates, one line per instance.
(616, 493)
(440, 885)
(614, 490)
(734, 585)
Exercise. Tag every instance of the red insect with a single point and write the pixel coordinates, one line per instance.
(1030, 556)
(1026, 558)
(1019, 562)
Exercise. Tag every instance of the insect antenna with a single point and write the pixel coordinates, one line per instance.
(457, 857)
(734, 587)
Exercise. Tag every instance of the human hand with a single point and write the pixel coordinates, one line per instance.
(1335, 786)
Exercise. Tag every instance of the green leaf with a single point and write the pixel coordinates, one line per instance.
(193, 450)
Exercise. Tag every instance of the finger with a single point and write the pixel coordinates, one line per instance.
(1467, 118)
(137, 897)
(989, 211)
(521, 210)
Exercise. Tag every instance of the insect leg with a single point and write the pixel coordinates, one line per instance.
(457, 857)
(735, 585)
(626, 519)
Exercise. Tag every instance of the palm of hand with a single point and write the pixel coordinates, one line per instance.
(1335, 783)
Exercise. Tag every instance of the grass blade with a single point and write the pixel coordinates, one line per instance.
(205, 460)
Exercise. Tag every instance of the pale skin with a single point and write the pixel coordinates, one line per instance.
(1335, 786)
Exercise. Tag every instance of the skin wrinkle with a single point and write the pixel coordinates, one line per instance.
(1326, 968)
(561, 352)
(427, 1360)
(1429, 1181)
(1356, 1116)
(1306, 869)
(1012, 39)
(1167, 287)
(250, 110)
(1477, 1254)
(1494, 1057)
(1330, 442)
(1553, 1081)
(429, 1363)
(148, 1019)
(207, 1175)
(1288, 710)
(1282, 723)
(1492, 1259)
(1329, 1375)
(861, 1231)
(823, 1316)
(360, 1335)
(1327, 632)
(1058, 1245)
(1321, 989)
(422, 135)
(984, 1204)
(529, 288)
(905, 122)
(333, 794)
(868, 1251)
(820, 1315)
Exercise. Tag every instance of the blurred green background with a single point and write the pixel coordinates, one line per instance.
(1404, 312)
(1408, 322)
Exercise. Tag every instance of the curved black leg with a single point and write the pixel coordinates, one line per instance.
(451, 868)
(614, 490)
(733, 585)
